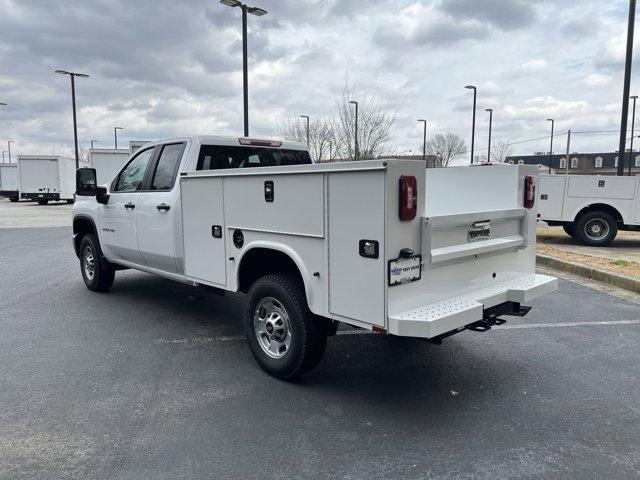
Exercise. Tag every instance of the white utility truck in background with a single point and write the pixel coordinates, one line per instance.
(590, 208)
(9, 183)
(384, 245)
(46, 178)
(108, 162)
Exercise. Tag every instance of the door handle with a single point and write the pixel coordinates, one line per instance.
(129, 205)
(163, 207)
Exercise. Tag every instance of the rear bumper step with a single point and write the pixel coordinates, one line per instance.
(478, 310)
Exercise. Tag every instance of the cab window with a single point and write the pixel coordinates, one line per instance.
(216, 157)
(167, 167)
(131, 178)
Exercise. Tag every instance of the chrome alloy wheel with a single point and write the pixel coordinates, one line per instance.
(596, 229)
(89, 263)
(272, 327)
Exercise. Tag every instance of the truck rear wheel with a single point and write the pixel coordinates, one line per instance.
(285, 338)
(596, 229)
(97, 277)
(42, 201)
(13, 199)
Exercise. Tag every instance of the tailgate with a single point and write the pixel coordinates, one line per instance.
(477, 242)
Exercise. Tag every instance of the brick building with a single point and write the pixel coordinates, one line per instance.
(580, 163)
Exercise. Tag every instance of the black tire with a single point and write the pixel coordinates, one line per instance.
(14, 199)
(70, 202)
(42, 201)
(569, 230)
(102, 277)
(596, 229)
(306, 331)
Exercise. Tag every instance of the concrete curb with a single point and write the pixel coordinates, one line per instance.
(615, 279)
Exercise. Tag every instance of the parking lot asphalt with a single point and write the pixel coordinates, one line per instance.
(154, 381)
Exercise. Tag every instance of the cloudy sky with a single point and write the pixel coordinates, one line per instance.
(162, 68)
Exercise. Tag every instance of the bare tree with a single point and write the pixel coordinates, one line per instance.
(447, 147)
(501, 151)
(322, 143)
(374, 125)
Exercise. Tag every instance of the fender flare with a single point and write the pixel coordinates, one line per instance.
(287, 250)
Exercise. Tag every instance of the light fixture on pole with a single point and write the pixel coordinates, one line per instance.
(115, 135)
(9, 148)
(633, 127)
(307, 118)
(73, 76)
(553, 124)
(424, 142)
(258, 12)
(490, 110)
(473, 125)
(356, 146)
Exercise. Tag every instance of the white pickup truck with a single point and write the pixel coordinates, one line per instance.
(590, 208)
(382, 245)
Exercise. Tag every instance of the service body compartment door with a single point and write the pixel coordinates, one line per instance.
(551, 196)
(356, 283)
(203, 230)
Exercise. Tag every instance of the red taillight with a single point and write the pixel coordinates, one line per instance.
(529, 191)
(408, 197)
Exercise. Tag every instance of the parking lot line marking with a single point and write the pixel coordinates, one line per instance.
(567, 324)
(236, 338)
(239, 338)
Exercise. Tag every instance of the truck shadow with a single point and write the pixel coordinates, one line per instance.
(375, 370)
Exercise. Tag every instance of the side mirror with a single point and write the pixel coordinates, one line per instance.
(86, 183)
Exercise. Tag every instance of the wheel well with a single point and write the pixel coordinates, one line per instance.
(601, 207)
(81, 227)
(258, 262)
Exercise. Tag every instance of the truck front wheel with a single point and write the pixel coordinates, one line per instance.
(285, 338)
(569, 230)
(42, 201)
(596, 229)
(97, 277)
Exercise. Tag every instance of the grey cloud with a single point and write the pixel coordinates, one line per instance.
(503, 14)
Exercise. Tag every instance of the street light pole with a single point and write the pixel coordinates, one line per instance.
(307, 118)
(553, 124)
(627, 87)
(356, 154)
(92, 142)
(9, 148)
(633, 126)
(3, 152)
(115, 135)
(490, 110)
(424, 142)
(258, 12)
(73, 76)
(473, 125)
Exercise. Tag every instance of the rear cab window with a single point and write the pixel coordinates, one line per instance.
(219, 157)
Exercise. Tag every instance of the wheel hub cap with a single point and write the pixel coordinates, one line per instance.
(272, 327)
(597, 229)
(89, 263)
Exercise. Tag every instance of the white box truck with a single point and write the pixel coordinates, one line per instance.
(590, 208)
(46, 178)
(9, 183)
(135, 145)
(383, 245)
(108, 162)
